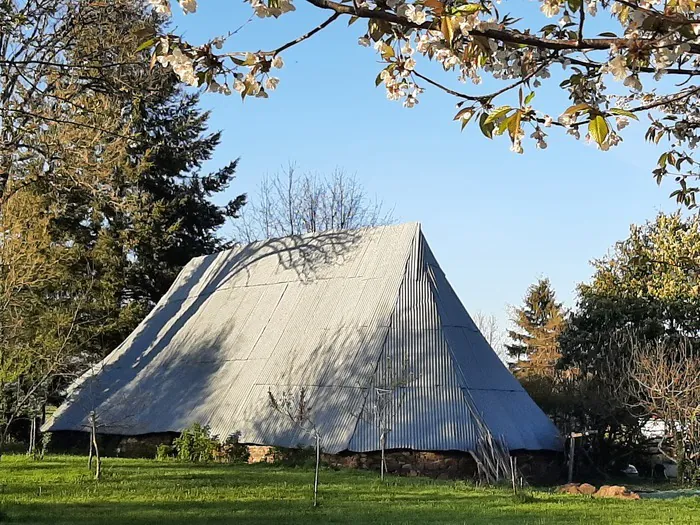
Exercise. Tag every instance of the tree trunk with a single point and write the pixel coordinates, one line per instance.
(318, 464)
(382, 446)
(32, 437)
(98, 465)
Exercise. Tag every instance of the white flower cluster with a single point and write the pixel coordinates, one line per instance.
(188, 6)
(266, 10)
(550, 8)
(181, 64)
(162, 7)
(397, 76)
(254, 83)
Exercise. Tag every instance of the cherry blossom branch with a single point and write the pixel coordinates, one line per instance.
(502, 35)
(305, 36)
(642, 69)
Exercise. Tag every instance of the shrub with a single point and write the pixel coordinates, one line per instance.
(231, 451)
(195, 444)
(164, 451)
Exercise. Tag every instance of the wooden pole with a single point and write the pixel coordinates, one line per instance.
(318, 463)
(572, 447)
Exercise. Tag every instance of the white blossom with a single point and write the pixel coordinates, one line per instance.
(271, 83)
(162, 7)
(633, 82)
(564, 20)
(550, 8)
(188, 6)
(592, 7)
(277, 62)
(414, 14)
(363, 41)
(618, 67)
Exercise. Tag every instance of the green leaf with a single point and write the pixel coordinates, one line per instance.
(147, 44)
(585, 108)
(378, 80)
(486, 127)
(574, 5)
(624, 112)
(529, 98)
(497, 113)
(598, 128)
(353, 19)
(467, 9)
(463, 112)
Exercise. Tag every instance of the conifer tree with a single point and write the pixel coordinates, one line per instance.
(538, 324)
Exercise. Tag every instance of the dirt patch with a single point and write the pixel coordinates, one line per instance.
(615, 491)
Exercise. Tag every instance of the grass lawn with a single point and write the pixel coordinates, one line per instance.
(59, 490)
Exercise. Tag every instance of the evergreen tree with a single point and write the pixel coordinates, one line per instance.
(156, 213)
(538, 324)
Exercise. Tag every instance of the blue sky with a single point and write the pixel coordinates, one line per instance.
(496, 220)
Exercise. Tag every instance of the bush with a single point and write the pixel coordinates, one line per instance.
(231, 451)
(292, 457)
(195, 444)
(164, 451)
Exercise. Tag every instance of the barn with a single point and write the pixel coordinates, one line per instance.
(337, 313)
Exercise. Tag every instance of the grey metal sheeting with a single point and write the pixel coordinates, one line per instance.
(338, 313)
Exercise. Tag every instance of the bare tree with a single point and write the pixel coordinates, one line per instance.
(295, 408)
(289, 203)
(662, 381)
(492, 332)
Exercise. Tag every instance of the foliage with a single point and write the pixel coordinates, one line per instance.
(231, 450)
(147, 491)
(103, 202)
(299, 456)
(538, 324)
(164, 451)
(609, 78)
(648, 285)
(195, 444)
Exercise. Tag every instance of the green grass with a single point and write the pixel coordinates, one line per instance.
(60, 490)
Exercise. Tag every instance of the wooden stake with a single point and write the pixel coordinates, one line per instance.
(572, 447)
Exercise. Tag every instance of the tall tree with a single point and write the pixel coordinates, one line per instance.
(117, 215)
(515, 44)
(538, 324)
(650, 283)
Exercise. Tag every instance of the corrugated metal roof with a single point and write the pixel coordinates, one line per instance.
(335, 313)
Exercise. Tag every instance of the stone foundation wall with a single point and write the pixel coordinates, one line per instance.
(438, 465)
(538, 468)
(259, 454)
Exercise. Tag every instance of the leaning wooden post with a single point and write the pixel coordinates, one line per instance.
(90, 440)
(93, 441)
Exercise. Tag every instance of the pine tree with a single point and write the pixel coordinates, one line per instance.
(538, 324)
